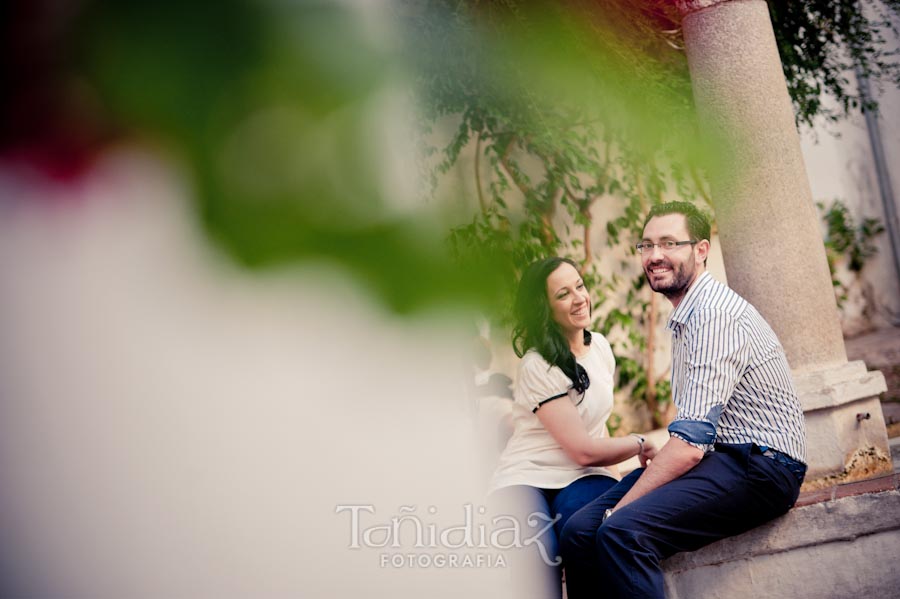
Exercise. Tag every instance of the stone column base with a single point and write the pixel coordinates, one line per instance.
(845, 430)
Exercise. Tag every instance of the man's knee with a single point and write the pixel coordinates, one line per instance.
(617, 533)
(576, 539)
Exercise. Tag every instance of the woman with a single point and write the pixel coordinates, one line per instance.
(558, 457)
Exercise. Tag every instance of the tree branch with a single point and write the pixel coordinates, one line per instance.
(504, 162)
(648, 361)
(478, 174)
(547, 219)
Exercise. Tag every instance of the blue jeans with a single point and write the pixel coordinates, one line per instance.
(521, 502)
(733, 489)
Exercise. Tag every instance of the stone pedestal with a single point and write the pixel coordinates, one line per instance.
(845, 428)
(769, 230)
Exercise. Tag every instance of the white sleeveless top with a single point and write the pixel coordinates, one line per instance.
(532, 456)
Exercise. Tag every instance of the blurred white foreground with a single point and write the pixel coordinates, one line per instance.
(173, 427)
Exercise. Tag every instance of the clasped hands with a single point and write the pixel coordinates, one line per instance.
(647, 453)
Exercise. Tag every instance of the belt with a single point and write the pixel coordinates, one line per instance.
(798, 469)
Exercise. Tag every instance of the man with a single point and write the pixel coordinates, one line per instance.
(737, 449)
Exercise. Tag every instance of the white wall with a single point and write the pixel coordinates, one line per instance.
(841, 166)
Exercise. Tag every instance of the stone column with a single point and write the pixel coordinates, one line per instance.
(769, 230)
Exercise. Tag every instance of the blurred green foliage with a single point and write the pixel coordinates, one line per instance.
(271, 104)
(579, 112)
(274, 109)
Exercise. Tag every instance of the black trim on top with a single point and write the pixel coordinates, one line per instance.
(540, 403)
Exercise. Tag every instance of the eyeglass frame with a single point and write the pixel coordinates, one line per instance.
(639, 246)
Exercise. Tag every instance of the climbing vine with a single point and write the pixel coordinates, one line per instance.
(845, 240)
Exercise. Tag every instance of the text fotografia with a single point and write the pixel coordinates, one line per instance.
(441, 560)
(470, 544)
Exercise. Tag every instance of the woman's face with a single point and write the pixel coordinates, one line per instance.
(570, 302)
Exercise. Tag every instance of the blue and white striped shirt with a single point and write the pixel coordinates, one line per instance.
(731, 381)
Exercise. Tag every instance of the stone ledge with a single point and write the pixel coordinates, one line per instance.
(827, 521)
(843, 547)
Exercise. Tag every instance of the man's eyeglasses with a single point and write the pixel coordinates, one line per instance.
(667, 246)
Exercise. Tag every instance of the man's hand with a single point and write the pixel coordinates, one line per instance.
(648, 452)
(673, 460)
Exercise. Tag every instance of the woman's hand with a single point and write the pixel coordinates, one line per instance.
(561, 419)
(648, 452)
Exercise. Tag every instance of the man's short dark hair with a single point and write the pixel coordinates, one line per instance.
(697, 222)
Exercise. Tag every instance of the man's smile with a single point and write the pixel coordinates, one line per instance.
(658, 269)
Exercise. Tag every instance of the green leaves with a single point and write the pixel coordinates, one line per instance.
(846, 241)
(287, 118)
(844, 238)
(276, 111)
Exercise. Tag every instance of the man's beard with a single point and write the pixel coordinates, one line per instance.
(679, 283)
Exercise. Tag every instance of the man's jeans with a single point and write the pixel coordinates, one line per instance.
(732, 489)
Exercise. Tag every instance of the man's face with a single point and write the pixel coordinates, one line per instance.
(672, 272)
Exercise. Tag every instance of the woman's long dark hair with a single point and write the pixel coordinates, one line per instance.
(535, 327)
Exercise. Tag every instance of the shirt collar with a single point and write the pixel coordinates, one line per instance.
(683, 312)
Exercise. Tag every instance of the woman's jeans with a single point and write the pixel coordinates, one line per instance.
(541, 514)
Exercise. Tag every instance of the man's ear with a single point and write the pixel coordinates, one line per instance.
(702, 250)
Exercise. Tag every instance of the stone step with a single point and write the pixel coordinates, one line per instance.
(836, 544)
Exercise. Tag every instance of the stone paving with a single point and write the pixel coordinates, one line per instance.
(880, 349)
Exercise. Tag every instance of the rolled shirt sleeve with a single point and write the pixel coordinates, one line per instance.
(709, 358)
